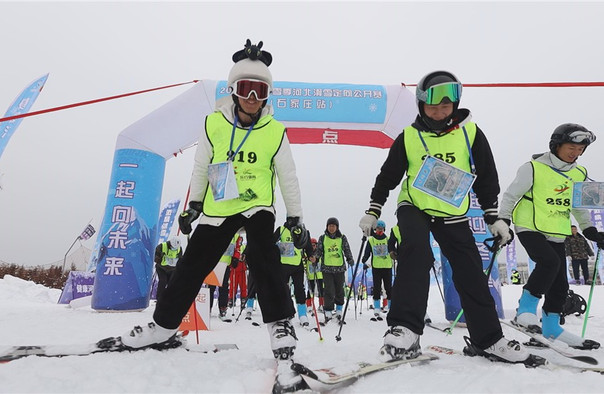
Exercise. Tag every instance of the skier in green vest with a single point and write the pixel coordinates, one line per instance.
(240, 142)
(381, 264)
(291, 258)
(334, 252)
(445, 133)
(166, 256)
(539, 203)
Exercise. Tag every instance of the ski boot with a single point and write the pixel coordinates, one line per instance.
(151, 336)
(400, 343)
(302, 315)
(526, 314)
(553, 332)
(283, 338)
(505, 351)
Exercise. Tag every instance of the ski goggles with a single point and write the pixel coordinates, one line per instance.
(581, 137)
(245, 87)
(435, 94)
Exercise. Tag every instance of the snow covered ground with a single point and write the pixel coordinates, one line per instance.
(30, 315)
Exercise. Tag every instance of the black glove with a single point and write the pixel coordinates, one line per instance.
(365, 267)
(351, 263)
(189, 216)
(592, 234)
(291, 221)
(234, 262)
(300, 235)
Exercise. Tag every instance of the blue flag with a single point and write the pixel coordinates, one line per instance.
(21, 105)
(166, 219)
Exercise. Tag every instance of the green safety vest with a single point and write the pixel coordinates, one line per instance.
(546, 207)
(451, 148)
(168, 255)
(289, 254)
(313, 272)
(397, 233)
(227, 256)
(332, 251)
(379, 253)
(253, 164)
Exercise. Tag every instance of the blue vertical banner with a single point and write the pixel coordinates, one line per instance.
(166, 220)
(481, 232)
(21, 105)
(129, 232)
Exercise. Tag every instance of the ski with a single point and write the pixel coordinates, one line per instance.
(559, 348)
(343, 375)
(547, 364)
(110, 344)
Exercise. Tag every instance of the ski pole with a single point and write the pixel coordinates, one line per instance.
(314, 309)
(361, 291)
(591, 292)
(354, 273)
(494, 249)
(438, 283)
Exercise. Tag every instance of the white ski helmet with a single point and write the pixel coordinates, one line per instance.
(174, 243)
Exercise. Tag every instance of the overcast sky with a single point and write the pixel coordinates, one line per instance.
(57, 166)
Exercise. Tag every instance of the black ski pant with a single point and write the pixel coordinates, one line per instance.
(582, 263)
(334, 289)
(204, 250)
(296, 273)
(549, 276)
(381, 275)
(412, 282)
(163, 277)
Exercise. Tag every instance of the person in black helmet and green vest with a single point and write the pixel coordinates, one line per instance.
(539, 202)
(445, 133)
(334, 252)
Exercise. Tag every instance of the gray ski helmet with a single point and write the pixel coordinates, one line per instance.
(570, 132)
(429, 80)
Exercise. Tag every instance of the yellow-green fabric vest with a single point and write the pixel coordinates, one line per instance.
(167, 253)
(253, 164)
(397, 233)
(546, 207)
(313, 272)
(379, 253)
(287, 244)
(452, 148)
(332, 251)
(227, 256)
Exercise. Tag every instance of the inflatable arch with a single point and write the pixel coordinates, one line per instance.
(348, 114)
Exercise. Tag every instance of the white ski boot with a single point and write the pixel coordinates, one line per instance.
(151, 335)
(400, 343)
(508, 351)
(283, 338)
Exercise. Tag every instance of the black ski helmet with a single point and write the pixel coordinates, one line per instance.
(570, 132)
(429, 80)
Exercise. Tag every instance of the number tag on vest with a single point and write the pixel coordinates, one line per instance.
(443, 181)
(171, 262)
(588, 195)
(286, 249)
(222, 181)
(380, 250)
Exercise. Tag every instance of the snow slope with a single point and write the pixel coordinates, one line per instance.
(29, 315)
